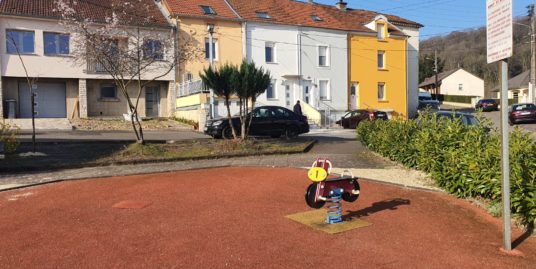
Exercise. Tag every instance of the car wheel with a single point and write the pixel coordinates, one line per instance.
(349, 197)
(227, 133)
(310, 197)
(511, 123)
(291, 132)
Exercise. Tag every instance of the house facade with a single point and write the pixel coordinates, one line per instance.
(65, 87)
(195, 21)
(518, 88)
(378, 69)
(457, 86)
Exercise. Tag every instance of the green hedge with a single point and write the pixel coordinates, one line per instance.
(465, 161)
(454, 98)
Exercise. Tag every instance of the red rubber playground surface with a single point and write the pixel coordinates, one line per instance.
(235, 218)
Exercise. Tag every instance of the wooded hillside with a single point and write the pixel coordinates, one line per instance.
(467, 49)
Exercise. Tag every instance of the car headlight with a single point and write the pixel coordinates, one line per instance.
(217, 123)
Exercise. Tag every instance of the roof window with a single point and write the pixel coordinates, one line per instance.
(262, 15)
(208, 10)
(316, 18)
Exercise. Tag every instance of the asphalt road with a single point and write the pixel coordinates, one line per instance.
(495, 117)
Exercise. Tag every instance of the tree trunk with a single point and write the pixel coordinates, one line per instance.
(229, 116)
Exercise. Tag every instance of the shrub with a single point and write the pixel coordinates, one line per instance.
(464, 160)
(8, 135)
(193, 123)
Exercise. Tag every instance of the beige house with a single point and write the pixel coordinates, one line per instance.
(518, 88)
(456, 86)
(65, 88)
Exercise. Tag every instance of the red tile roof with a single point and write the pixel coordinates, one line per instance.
(192, 8)
(294, 12)
(96, 10)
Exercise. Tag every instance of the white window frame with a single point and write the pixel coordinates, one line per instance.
(384, 91)
(56, 43)
(328, 90)
(19, 49)
(383, 66)
(274, 90)
(381, 32)
(216, 49)
(327, 55)
(273, 46)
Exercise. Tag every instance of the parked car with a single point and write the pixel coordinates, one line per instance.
(271, 121)
(353, 118)
(467, 118)
(425, 96)
(432, 105)
(522, 113)
(487, 105)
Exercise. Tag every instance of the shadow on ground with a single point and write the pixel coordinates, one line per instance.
(392, 204)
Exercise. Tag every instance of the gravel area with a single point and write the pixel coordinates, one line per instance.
(116, 124)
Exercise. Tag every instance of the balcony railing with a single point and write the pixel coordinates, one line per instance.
(94, 67)
(191, 87)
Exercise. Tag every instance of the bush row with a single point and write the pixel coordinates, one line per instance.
(465, 161)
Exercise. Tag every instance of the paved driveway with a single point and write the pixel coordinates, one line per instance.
(77, 135)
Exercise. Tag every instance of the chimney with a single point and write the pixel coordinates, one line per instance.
(341, 5)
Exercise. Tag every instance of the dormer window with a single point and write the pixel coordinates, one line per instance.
(208, 10)
(380, 27)
(316, 18)
(262, 15)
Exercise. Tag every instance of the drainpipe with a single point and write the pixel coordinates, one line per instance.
(245, 41)
(299, 49)
(210, 29)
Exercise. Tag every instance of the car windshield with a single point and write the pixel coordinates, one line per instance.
(523, 107)
(347, 115)
(471, 120)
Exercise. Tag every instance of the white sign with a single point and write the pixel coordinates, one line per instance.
(499, 30)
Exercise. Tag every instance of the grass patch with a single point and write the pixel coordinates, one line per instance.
(76, 155)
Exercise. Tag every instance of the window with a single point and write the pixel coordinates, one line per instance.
(316, 18)
(323, 86)
(262, 15)
(108, 91)
(322, 56)
(21, 41)
(153, 49)
(261, 113)
(460, 87)
(56, 44)
(380, 27)
(381, 91)
(214, 50)
(281, 113)
(271, 91)
(208, 10)
(381, 59)
(269, 52)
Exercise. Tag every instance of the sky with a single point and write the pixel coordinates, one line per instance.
(439, 17)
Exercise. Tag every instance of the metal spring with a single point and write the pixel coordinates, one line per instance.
(334, 214)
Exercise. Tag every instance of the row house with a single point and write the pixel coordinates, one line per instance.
(65, 87)
(330, 57)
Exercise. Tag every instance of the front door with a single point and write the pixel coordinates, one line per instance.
(354, 96)
(152, 101)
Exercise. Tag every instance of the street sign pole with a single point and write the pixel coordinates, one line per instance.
(499, 48)
(507, 234)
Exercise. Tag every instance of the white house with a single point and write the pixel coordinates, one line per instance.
(64, 87)
(456, 84)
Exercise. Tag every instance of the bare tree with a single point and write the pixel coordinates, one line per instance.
(31, 81)
(129, 43)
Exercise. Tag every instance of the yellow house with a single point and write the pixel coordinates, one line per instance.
(196, 21)
(378, 69)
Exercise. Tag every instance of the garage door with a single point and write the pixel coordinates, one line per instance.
(50, 100)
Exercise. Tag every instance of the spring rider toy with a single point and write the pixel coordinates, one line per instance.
(330, 190)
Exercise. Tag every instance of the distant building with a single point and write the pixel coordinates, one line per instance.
(456, 86)
(518, 88)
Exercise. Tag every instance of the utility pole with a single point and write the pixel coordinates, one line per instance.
(436, 80)
(210, 29)
(532, 90)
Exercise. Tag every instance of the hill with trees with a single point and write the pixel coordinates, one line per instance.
(467, 49)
